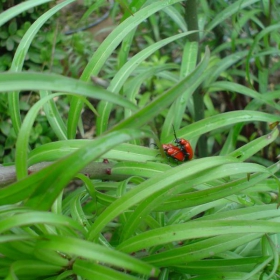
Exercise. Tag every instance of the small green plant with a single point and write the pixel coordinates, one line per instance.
(137, 215)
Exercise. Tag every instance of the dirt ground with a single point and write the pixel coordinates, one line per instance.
(74, 11)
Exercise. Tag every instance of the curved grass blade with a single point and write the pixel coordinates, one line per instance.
(53, 116)
(196, 229)
(221, 191)
(132, 87)
(36, 217)
(200, 249)
(23, 137)
(42, 81)
(215, 71)
(124, 152)
(255, 212)
(14, 11)
(221, 120)
(274, 249)
(248, 150)
(95, 252)
(176, 17)
(89, 270)
(234, 87)
(31, 268)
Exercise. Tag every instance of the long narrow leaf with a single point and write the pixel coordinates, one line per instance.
(43, 81)
(14, 11)
(197, 230)
(95, 252)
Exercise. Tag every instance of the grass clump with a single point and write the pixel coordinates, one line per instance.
(136, 213)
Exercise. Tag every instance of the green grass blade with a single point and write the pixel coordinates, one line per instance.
(31, 268)
(9, 238)
(123, 55)
(176, 17)
(234, 87)
(95, 252)
(275, 255)
(189, 59)
(145, 169)
(215, 71)
(222, 120)
(89, 270)
(248, 150)
(42, 81)
(201, 249)
(23, 137)
(53, 116)
(220, 191)
(196, 230)
(257, 270)
(132, 87)
(14, 11)
(36, 217)
(135, 5)
(255, 212)
(124, 152)
(95, 6)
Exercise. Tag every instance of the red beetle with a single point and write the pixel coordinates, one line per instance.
(174, 152)
(184, 145)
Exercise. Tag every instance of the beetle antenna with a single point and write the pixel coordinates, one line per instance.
(176, 139)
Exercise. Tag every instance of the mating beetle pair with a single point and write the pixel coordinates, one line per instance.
(181, 152)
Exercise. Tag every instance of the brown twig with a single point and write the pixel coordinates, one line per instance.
(95, 170)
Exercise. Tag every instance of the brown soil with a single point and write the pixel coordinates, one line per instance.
(71, 15)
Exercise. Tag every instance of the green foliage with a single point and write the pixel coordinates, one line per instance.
(141, 215)
(50, 50)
